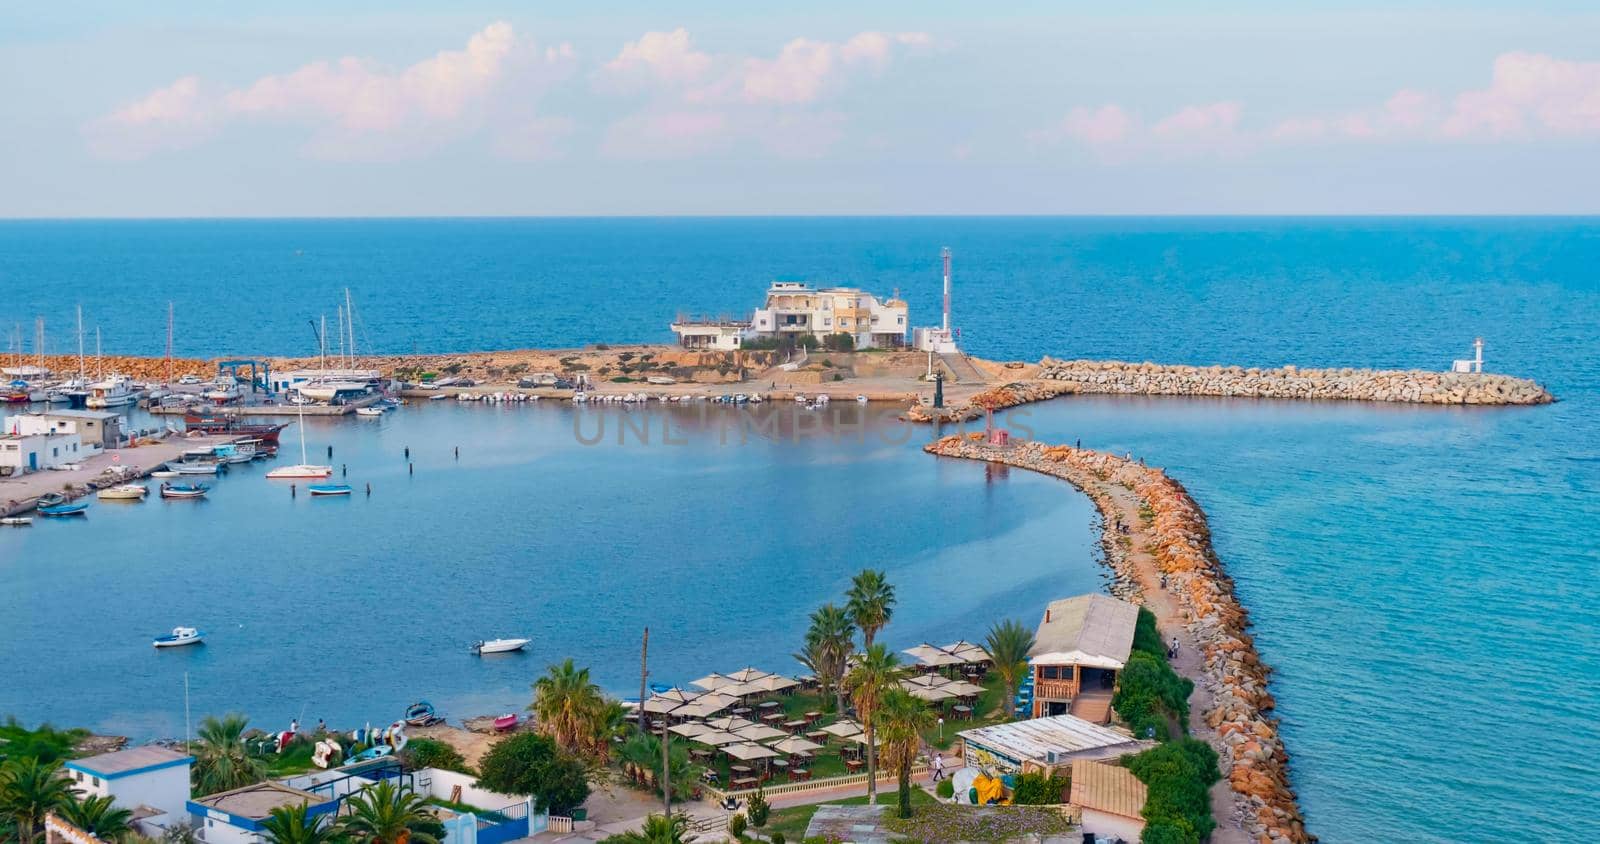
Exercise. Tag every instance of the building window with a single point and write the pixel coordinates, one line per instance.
(95, 781)
(1049, 672)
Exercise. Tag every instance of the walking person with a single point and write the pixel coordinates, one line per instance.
(938, 767)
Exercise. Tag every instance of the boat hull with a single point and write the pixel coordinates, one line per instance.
(329, 489)
(301, 472)
(60, 510)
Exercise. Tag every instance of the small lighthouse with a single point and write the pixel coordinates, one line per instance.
(1474, 365)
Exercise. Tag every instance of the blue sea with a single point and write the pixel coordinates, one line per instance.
(1423, 580)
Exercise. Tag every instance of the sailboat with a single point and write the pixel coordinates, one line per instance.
(305, 469)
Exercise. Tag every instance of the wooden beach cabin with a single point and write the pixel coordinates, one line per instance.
(1081, 645)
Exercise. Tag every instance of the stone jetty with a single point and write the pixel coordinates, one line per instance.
(1235, 705)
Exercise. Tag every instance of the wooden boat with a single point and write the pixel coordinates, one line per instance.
(123, 492)
(499, 646)
(184, 490)
(179, 637)
(329, 489)
(63, 510)
(506, 722)
(50, 499)
(231, 425)
(421, 714)
(196, 468)
(16, 521)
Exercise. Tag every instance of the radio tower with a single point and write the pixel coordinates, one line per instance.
(945, 254)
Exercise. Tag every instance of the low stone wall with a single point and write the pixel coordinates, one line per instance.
(1254, 760)
(1411, 386)
(994, 398)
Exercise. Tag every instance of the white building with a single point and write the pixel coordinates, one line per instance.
(795, 309)
(1111, 799)
(96, 429)
(24, 453)
(234, 817)
(152, 782)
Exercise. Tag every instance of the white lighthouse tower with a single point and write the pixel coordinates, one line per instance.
(941, 340)
(1474, 365)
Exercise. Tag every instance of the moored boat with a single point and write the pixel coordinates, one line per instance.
(16, 521)
(63, 510)
(115, 391)
(421, 714)
(169, 490)
(179, 637)
(506, 722)
(329, 489)
(267, 433)
(123, 492)
(369, 412)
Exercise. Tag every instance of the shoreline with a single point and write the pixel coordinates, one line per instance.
(1167, 563)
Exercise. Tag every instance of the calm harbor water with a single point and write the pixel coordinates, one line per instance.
(1423, 579)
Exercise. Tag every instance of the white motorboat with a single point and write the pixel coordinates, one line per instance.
(16, 521)
(328, 390)
(123, 492)
(164, 473)
(224, 388)
(183, 468)
(115, 391)
(499, 646)
(369, 412)
(179, 637)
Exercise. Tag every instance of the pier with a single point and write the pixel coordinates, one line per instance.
(21, 494)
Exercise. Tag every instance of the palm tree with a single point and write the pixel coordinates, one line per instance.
(98, 817)
(387, 814)
(610, 723)
(1008, 644)
(29, 790)
(902, 718)
(658, 829)
(567, 705)
(829, 642)
(875, 673)
(222, 761)
(870, 602)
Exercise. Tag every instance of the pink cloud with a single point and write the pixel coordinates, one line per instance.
(1530, 93)
(1199, 123)
(664, 57)
(171, 118)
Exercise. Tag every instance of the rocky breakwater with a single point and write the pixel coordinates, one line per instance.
(1289, 382)
(1236, 716)
(994, 398)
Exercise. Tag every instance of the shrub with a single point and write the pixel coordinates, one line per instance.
(529, 763)
(840, 342)
(622, 379)
(777, 838)
(1036, 789)
(1149, 692)
(1145, 635)
(1178, 776)
(432, 753)
(600, 347)
(945, 789)
(736, 826)
(838, 376)
(516, 369)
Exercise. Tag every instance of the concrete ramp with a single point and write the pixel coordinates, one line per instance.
(962, 369)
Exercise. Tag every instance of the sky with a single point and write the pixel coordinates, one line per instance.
(200, 109)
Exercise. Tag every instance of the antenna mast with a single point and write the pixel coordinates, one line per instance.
(945, 254)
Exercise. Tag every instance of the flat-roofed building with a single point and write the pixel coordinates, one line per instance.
(151, 781)
(96, 429)
(1045, 745)
(234, 817)
(1111, 799)
(796, 309)
(1081, 645)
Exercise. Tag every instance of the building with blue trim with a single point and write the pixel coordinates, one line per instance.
(234, 817)
(152, 782)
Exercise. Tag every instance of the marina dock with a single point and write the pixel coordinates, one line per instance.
(20, 494)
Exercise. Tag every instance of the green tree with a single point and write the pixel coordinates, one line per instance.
(875, 673)
(1149, 693)
(1178, 776)
(657, 829)
(568, 705)
(642, 752)
(388, 814)
(1008, 645)
(45, 743)
(431, 753)
(901, 718)
(29, 790)
(870, 603)
(610, 722)
(291, 825)
(829, 642)
(758, 810)
(98, 816)
(221, 760)
(529, 763)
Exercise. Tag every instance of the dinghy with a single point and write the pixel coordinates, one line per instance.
(50, 499)
(369, 412)
(421, 714)
(506, 722)
(16, 521)
(329, 489)
(164, 473)
(184, 490)
(499, 646)
(64, 510)
(179, 637)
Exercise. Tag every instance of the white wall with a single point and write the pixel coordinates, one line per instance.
(439, 783)
(166, 789)
(221, 832)
(1106, 824)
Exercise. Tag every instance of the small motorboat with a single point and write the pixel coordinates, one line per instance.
(499, 646)
(329, 489)
(861, 399)
(369, 412)
(506, 722)
(439, 397)
(184, 490)
(375, 752)
(179, 637)
(301, 471)
(50, 499)
(123, 492)
(421, 714)
(197, 468)
(16, 521)
(63, 510)
(164, 473)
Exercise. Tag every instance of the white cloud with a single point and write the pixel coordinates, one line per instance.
(1530, 93)
(657, 57)
(354, 107)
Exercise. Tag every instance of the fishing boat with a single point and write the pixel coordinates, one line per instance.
(499, 646)
(184, 490)
(50, 499)
(115, 391)
(123, 492)
(266, 433)
(63, 510)
(369, 412)
(16, 521)
(305, 469)
(184, 468)
(235, 452)
(421, 714)
(179, 637)
(329, 489)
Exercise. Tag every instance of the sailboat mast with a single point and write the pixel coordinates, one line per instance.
(301, 410)
(169, 341)
(38, 340)
(339, 315)
(350, 315)
(99, 356)
(322, 340)
(80, 342)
